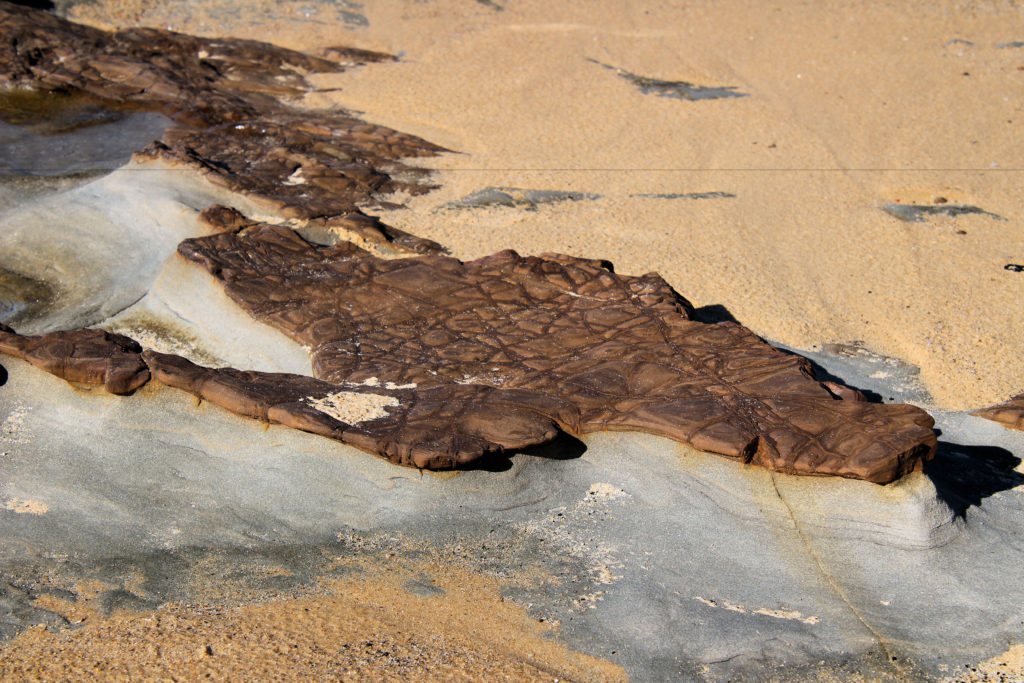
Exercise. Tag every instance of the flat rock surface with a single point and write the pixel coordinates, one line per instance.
(612, 537)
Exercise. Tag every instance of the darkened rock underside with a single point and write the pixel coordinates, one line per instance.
(457, 359)
(1009, 412)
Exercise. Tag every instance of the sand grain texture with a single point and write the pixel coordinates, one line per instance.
(359, 631)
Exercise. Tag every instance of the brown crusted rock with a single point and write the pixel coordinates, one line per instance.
(437, 428)
(620, 350)
(89, 356)
(1009, 413)
(426, 361)
(228, 99)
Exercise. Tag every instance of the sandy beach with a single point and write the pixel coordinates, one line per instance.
(842, 178)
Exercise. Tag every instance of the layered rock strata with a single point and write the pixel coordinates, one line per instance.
(424, 360)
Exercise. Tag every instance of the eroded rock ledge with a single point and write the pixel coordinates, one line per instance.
(424, 360)
(1009, 413)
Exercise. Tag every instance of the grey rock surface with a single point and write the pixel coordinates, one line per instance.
(683, 564)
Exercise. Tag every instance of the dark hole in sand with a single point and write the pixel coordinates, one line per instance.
(686, 195)
(516, 197)
(682, 90)
(918, 213)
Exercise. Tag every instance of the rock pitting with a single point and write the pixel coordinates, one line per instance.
(479, 357)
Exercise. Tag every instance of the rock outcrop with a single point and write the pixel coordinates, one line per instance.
(417, 357)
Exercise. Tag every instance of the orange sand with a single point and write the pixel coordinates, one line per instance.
(359, 631)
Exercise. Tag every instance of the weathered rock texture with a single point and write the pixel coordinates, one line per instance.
(228, 98)
(89, 356)
(501, 352)
(1009, 412)
(450, 360)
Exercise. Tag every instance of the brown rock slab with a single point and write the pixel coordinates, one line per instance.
(439, 427)
(88, 356)
(622, 351)
(1009, 413)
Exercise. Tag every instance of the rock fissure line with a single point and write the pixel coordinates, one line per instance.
(890, 660)
(578, 347)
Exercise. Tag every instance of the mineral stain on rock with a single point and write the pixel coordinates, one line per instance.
(453, 360)
(681, 90)
(22, 297)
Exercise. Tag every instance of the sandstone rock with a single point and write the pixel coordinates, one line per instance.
(90, 356)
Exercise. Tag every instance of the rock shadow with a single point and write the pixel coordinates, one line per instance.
(823, 375)
(965, 475)
(714, 313)
(563, 447)
(3, 375)
(35, 4)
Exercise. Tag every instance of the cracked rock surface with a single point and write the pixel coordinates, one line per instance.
(234, 124)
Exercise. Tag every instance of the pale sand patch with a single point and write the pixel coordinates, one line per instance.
(353, 407)
(360, 630)
(791, 615)
(25, 507)
(1005, 668)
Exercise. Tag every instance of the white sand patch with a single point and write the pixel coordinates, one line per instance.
(295, 178)
(13, 425)
(601, 492)
(23, 507)
(374, 382)
(571, 530)
(489, 380)
(791, 615)
(352, 407)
